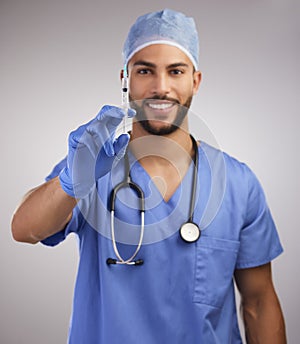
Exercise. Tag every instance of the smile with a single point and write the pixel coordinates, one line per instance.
(162, 106)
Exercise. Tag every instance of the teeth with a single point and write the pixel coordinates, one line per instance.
(162, 106)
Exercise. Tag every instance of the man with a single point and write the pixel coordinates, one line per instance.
(139, 280)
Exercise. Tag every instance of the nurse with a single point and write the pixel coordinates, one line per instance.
(179, 288)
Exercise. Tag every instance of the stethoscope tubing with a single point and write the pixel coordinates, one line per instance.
(128, 261)
(140, 193)
(191, 234)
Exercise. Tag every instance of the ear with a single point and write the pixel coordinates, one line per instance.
(197, 78)
(121, 74)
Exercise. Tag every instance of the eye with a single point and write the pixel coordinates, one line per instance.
(176, 71)
(144, 71)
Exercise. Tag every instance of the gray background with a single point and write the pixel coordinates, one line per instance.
(60, 63)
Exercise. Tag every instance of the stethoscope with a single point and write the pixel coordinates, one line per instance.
(189, 231)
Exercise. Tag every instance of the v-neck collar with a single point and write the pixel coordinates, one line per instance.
(140, 175)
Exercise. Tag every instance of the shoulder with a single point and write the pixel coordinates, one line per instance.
(234, 167)
(238, 177)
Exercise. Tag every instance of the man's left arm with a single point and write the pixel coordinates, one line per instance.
(261, 311)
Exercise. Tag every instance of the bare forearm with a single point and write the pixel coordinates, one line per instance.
(264, 323)
(43, 212)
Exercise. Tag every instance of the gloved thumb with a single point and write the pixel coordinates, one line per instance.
(120, 145)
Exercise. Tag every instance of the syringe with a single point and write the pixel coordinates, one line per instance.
(125, 98)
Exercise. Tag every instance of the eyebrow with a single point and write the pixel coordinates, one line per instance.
(144, 63)
(153, 65)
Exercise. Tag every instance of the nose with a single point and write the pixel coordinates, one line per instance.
(161, 84)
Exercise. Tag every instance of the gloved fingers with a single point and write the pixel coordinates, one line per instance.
(131, 113)
(75, 136)
(107, 112)
(111, 124)
(120, 145)
(100, 132)
(114, 115)
(110, 111)
(109, 117)
(98, 136)
(104, 128)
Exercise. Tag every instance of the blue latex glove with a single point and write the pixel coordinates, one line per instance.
(93, 149)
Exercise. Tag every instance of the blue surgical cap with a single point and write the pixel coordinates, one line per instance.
(163, 27)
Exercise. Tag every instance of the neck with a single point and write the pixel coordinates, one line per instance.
(165, 158)
(171, 147)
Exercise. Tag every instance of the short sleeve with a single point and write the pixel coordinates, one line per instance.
(73, 226)
(57, 169)
(77, 218)
(259, 240)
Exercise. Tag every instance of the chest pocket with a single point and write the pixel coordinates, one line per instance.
(215, 263)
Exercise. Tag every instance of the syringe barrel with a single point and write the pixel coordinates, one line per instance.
(125, 92)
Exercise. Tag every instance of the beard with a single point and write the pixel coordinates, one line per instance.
(168, 128)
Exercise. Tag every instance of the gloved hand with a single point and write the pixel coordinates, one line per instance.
(92, 151)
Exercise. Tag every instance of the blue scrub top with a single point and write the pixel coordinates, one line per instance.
(184, 292)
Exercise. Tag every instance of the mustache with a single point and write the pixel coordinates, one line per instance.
(156, 97)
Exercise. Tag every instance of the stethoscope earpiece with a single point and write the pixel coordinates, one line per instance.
(139, 262)
(110, 261)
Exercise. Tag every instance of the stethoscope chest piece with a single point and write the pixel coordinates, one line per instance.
(190, 232)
